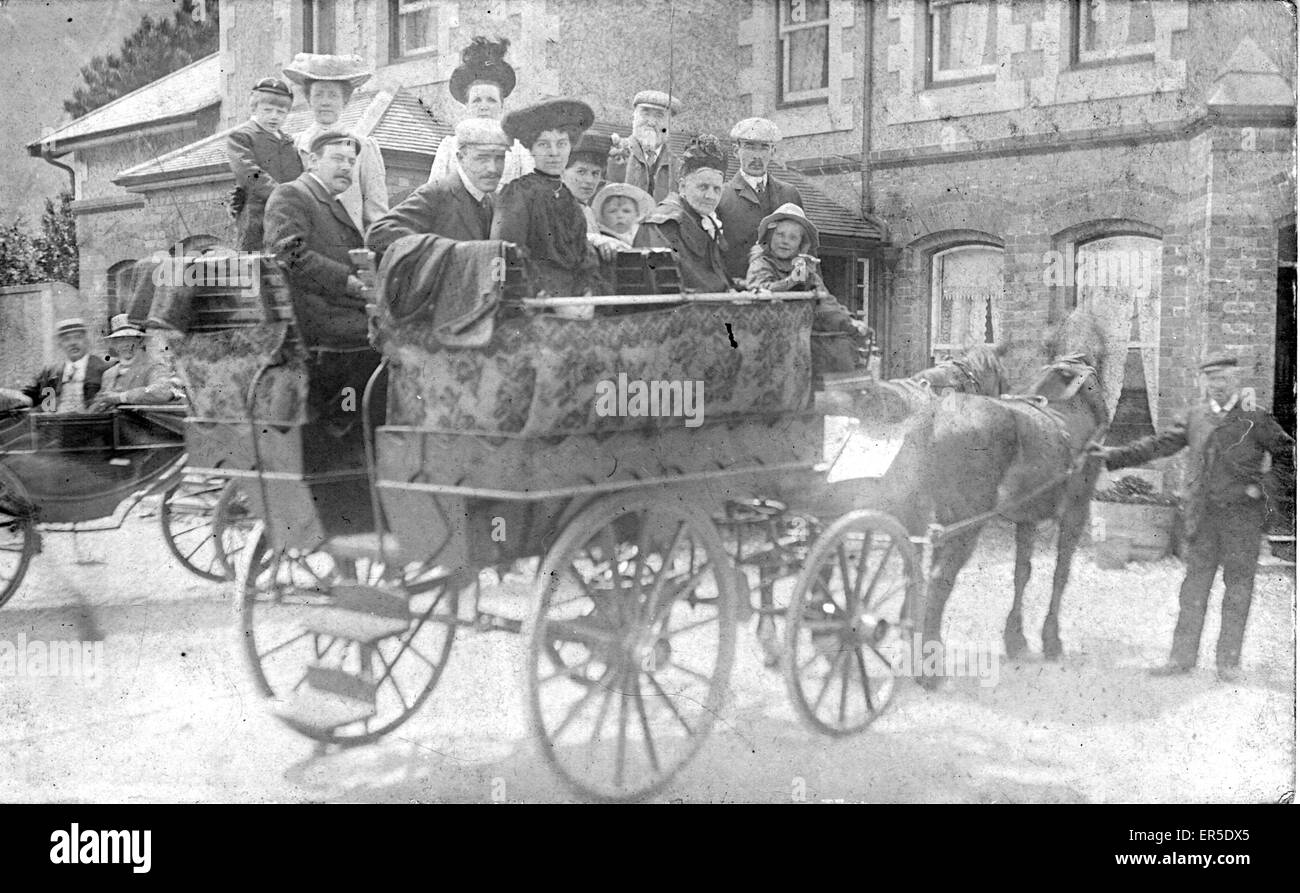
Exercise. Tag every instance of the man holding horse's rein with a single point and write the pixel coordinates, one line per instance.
(1224, 503)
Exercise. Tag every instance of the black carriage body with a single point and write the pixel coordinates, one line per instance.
(82, 466)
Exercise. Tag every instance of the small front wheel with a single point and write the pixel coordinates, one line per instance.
(846, 625)
(17, 534)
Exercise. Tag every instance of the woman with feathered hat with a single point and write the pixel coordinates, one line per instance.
(327, 83)
(481, 83)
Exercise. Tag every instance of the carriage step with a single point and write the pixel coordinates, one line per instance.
(360, 613)
(329, 698)
(356, 546)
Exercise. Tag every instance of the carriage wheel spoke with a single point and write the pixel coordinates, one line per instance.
(645, 724)
(284, 644)
(826, 683)
(578, 707)
(862, 676)
(842, 561)
(657, 586)
(659, 689)
(568, 671)
(620, 751)
(670, 634)
(703, 677)
(875, 578)
(844, 688)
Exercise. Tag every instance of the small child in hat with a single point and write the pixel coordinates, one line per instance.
(784, 259)
(619, 209)
(261, 157)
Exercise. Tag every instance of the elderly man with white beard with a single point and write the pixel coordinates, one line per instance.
(644, 159)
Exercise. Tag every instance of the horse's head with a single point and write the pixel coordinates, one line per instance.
(1072, 378)
(977, 371)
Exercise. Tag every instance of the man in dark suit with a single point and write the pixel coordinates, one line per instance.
(69, 386)
(1226, 438)
(261, 156)
(459, 206)
(311, 233)
(752, 193)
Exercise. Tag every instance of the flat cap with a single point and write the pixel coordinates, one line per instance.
(1219, 361)
(756, 130)
(658, 98)
(71, 324)
(274, 86)
(480, 132)
(330, 137)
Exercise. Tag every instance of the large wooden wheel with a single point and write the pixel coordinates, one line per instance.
(848, 622)
(18, 535)
(630, 645)
(347, 650)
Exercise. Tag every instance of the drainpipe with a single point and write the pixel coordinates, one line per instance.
(869, 42)
(72, 175)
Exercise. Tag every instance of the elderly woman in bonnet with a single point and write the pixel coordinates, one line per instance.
(685, 220)
(537, 211)
(328, 83)
(481, 83)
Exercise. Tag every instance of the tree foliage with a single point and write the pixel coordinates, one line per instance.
(50, 255)
(154, 49)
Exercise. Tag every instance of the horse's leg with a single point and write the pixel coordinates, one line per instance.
(1013, 635)
(949, 559)
(1073, 520)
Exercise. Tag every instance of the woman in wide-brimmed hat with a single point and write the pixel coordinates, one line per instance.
(134, 378)
(538, 211)
(328, 83)
(481, 83)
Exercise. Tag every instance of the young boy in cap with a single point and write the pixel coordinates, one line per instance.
(133, 378)
(537, 211)
(69, 386)
(684, 221)
(1226, 438)
(261, 157)
(644, 159)
(753, 193)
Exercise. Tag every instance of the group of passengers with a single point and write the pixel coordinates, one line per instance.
(537, 176)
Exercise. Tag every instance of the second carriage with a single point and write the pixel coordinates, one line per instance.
(662, 460)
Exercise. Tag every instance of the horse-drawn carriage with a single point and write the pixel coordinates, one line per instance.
(659, 460)
(85, 471)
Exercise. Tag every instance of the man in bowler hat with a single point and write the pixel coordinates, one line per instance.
(1226, 438)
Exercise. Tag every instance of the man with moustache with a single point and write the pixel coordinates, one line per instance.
(753, 193)
(311, 233)
(459, 206)
(69, 386)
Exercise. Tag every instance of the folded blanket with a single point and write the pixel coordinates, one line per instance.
(458, 284)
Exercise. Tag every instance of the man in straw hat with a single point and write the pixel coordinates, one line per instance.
(328, 83)
(1226, 437)
(68, 386)
(753, 193)
(459, 206)
(133, 378)
(685, 220)
(482, 82)
(644, 159)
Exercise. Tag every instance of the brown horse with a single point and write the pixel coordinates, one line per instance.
(1025, 459)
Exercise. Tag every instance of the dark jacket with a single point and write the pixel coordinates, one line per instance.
(260, 161)
(1224, 456)
(658, 179)
(676, 225)
(50, 380)
(741, 210)
(311, 234)
(538, 212)
(442, 208)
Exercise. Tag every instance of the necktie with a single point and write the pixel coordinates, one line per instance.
(485, 214)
